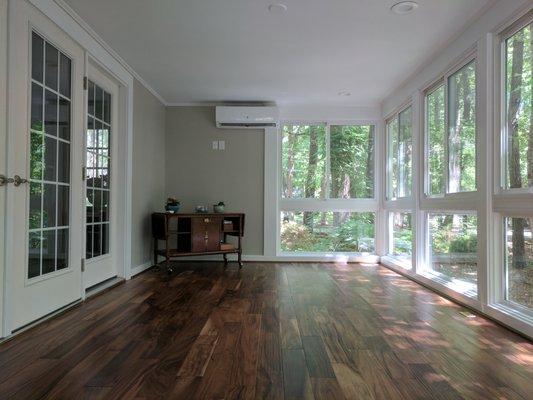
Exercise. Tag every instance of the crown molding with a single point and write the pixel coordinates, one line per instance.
(85, 26)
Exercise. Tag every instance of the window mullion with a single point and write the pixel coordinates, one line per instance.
(446, 138)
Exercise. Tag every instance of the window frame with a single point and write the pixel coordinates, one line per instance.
(327, 203)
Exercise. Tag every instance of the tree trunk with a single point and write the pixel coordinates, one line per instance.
(290, 162)
(369, 180)
(454, 155)
(310, 181)
(515, 178)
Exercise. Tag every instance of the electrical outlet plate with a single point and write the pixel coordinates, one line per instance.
(222, 145)
(215, 144)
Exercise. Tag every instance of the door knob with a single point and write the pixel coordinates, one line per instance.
(4, 180)
(17, 180)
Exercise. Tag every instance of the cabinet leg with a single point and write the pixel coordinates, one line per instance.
(155, 254)
(225, 259)
(239, 259)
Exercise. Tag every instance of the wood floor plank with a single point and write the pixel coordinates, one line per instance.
(268, 331)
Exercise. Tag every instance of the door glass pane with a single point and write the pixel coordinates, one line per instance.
(519, 260)
(304, 161)
(308, 231)
(36, 107)
(453, 248)
(51, 66)
(436, 141)
(34, 254)
(49, 251)
(98, 137)
(462, 130)
(519, 109)
(49, 162)
(352, 161)
(50, 113)
(37, 57)
(62, 248)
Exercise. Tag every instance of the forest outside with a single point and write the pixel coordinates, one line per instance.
(519, 162)
(322, 163)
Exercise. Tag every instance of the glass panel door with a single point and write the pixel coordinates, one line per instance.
(98, 177)
(49, 174)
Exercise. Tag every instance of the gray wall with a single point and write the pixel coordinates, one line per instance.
(196, 174)
(148, 169)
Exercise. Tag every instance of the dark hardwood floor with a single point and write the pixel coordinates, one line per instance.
(269, 331)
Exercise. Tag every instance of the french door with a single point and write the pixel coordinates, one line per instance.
(100, 179)
(45, 146)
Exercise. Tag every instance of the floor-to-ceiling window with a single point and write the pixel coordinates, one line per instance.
(513, 199)
(399, 202)
(327, 196)
(450, 175)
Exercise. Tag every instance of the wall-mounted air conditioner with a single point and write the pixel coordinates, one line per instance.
(246, 117)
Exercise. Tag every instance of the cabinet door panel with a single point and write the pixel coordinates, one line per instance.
(213, 234)
(198, 235)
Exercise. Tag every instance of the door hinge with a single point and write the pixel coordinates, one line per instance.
(85, 83)
(83, 173)
(83, 265)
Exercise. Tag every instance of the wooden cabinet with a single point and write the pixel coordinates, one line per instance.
(197, 234)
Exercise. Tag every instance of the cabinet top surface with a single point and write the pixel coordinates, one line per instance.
(199, 214)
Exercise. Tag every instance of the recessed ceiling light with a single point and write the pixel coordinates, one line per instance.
(344, 93)
(404, 7)
(277, 8)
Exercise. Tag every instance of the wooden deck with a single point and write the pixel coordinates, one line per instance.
(268, 331)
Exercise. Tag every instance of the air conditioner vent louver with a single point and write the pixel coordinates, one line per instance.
(240, 117)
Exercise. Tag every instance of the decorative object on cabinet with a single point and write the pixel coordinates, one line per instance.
(173, 205)
(201, 209)
(219, 208)
(193, 234)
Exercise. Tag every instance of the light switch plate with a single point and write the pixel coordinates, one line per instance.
(222, 145)
(215, 144)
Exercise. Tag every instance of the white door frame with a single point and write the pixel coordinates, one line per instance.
(97, 50)
(97, 74)
(3, 143)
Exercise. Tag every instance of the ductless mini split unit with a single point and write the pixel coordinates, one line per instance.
(246, 117)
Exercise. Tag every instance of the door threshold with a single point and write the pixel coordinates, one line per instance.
(104, 286)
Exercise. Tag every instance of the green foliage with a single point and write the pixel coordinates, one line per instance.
(329, 232)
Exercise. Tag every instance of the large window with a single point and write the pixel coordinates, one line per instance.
(327, 183)
(515, 200)
(399, 155)
(451, 134)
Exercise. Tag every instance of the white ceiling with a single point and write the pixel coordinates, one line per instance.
(236, 50)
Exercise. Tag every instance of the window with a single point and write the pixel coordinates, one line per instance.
(462, 130)
(310, 231)
(453, 246)
(352, 161)
(327, 199)
(451, 140)
(304, 160)
(399, 153)
(401, 241)
(519, 260)
(436, 137)
(518, 112)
